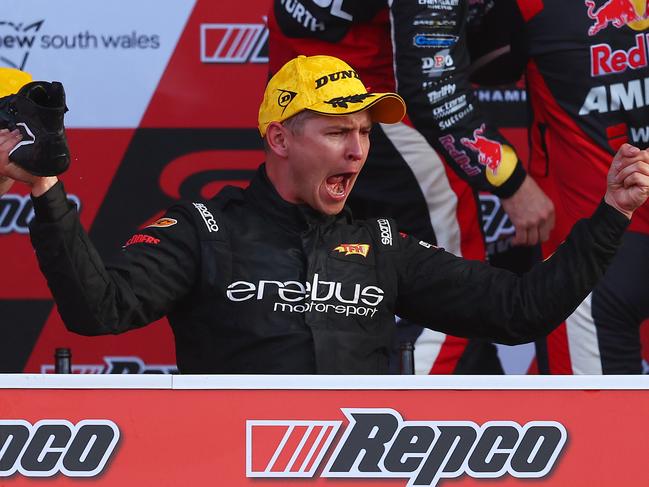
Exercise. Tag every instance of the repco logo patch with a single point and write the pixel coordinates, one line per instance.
(378, 443)
(54, 446)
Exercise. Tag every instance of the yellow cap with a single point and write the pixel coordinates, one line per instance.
(326, 85)
(11, 80)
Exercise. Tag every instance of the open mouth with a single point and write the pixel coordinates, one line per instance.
(338, 184)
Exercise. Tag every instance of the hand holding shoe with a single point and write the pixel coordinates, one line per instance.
(10, 172)
(37, 111)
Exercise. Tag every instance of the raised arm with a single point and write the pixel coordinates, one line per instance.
(468, 298)
(141, 286)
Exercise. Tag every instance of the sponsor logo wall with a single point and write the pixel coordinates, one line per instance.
(287, 436)
(50, 447)
(163, 101)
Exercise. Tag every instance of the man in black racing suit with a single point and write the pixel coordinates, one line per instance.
(279, 278)
(427, 170)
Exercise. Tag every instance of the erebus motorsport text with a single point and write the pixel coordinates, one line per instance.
(297, 297)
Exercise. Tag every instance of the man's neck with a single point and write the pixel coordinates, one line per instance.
(280, 180)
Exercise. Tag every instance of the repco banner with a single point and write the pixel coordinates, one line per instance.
(54, 446)
(133, 430)
(378, 443)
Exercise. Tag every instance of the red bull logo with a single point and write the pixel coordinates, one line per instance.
(489, 151)
(499, 158)
(353, 249)
(604, 60)
(617, 13)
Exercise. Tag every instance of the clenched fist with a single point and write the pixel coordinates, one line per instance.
(628, 179)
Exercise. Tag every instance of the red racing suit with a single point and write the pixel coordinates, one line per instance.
(424, 172)
(586, 64)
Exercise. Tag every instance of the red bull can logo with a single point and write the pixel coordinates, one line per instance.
(618, 13)
(489, 151)
(499, 158)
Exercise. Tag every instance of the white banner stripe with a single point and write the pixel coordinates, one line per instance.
(297, 451)
(313, 449)
(279, 449)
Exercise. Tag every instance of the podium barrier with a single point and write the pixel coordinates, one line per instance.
(337, 431)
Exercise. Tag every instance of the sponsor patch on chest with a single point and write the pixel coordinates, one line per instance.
(353, 249)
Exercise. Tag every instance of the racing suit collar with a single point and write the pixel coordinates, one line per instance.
(263, 194)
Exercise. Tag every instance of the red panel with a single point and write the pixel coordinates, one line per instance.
(198, 437)
(180, 168)
(644, 339)
(529, 8)
(449, 355)
(559, 351)
(290, 447)
(193, 93)
(152, 344)
(518, 139)
(266, 439)
(89, 177)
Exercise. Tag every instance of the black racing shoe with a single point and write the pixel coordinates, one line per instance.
(37, 111)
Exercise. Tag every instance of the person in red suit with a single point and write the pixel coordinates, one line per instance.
(587, 69)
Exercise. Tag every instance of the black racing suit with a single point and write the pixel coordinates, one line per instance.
(425, 171)
(253, 284)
